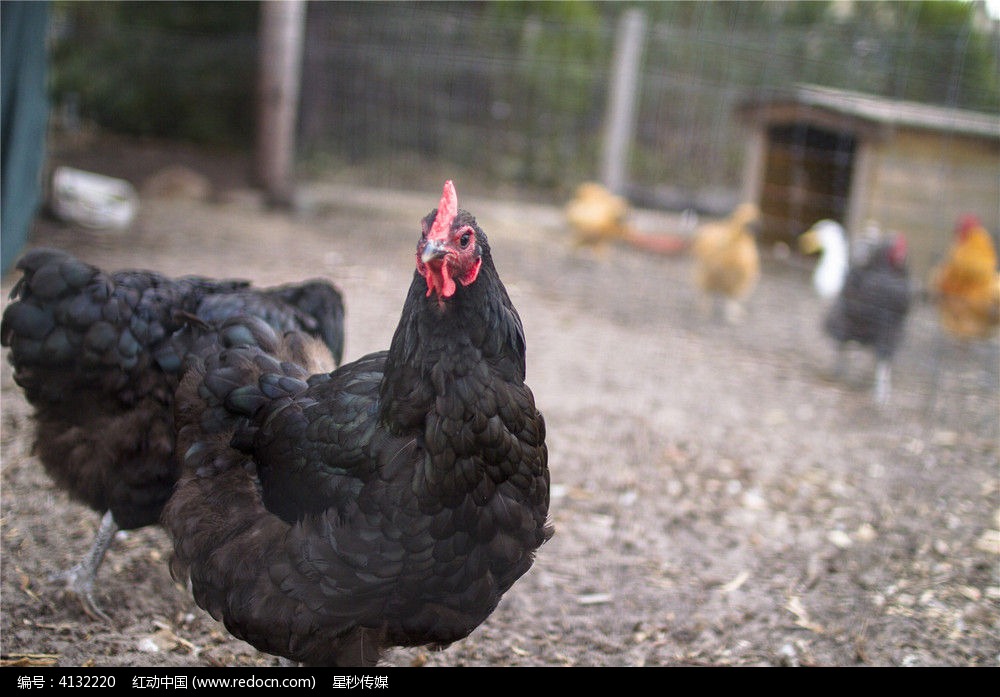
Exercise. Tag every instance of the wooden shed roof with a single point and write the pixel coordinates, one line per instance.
(868, 112)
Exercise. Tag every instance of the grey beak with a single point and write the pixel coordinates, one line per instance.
(433, 250)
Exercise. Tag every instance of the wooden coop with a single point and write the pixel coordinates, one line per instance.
(816, 152)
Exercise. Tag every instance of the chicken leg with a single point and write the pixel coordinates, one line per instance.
(80, 578)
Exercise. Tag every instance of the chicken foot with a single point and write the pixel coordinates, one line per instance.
(80, 578)
(883, 382)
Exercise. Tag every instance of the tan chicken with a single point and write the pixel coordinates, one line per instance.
(966, 285)
(597, 216)
(600, 218)
(726, 259)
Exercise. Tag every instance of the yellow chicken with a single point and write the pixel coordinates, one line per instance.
(966, 285)
(600, 218)
(597, 216)
(726, 260)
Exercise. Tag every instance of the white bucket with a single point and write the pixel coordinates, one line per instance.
(93, 200)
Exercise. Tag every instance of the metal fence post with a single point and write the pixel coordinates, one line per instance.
(619, 124)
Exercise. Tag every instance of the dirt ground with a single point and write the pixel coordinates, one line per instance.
(718, 499)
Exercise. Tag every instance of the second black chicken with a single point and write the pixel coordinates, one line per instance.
(98, 356)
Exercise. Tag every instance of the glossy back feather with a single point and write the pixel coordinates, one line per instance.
(390, 502)
(98, 356)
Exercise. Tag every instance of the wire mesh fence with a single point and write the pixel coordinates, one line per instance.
(517, 93)
(523, 96)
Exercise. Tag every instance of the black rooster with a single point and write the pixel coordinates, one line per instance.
(872, 308)
(98, 356)
(391, 502)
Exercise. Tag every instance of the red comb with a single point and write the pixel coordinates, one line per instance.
(966, 223)
(897, 255)
(447, 210)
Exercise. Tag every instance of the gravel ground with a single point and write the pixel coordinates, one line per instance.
(718, 499)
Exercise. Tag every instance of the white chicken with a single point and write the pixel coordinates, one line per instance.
(827, 237)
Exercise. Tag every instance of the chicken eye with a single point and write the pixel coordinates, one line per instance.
(464, 240)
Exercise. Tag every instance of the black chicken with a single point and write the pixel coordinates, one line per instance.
(391, 502)
(871, 309)
(98, 356)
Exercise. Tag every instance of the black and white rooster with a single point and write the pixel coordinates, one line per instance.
(871, 296)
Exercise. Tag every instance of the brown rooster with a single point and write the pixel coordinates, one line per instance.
(98, 356)
(966, 286)
(392, 502)
(726, 260)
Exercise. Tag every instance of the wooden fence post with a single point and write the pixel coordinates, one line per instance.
(282, 25)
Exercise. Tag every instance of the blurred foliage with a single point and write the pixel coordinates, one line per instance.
(172, 69)
(553, 97)
(927, 51)
(704, 57)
